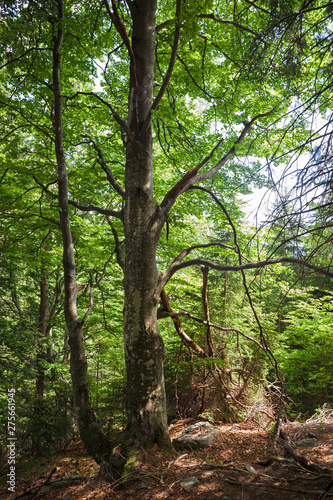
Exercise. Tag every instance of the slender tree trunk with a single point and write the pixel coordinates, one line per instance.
(92, 435)
(144, 348)
(42, 329)
(209, 338)
(38, 405)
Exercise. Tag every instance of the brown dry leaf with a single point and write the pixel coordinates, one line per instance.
(234, 447)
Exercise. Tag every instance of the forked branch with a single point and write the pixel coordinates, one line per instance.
(172, 58)
(168, 74)
(111, 178)
(193, 176)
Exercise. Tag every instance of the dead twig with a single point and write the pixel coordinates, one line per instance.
(272, 485)
(34, 491)
(170, 464)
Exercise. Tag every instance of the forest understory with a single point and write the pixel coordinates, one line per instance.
(246, 461)
(137, 287)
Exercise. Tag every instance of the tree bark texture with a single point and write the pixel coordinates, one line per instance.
(92, 435)
(144, 348)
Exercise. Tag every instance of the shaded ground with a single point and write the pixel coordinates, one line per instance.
(220, 470)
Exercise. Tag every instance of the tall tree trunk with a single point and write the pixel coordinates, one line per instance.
(92, 435)
(144, 348)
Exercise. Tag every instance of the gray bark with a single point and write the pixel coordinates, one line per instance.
(144, 348)
(92, 435)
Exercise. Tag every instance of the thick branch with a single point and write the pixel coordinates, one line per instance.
(243, 267)
(163, 25)
(172, 58)
(179, 328)
(218, 327)
(181, 185)
(124, 36)
(184, 253)
(192, 177)
(186, 339)
(94, 208)
(84, 208)
(169, 70)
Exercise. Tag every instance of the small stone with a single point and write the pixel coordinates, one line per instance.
(199, 426)
(307, 442)
(189, 482)
(249, 468)
(208, 473)
(142, 486)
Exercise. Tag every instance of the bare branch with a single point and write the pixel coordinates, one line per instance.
(172, 58)
(184, 253)
(243, 267)
(94, 208)
(192, 177)
(114, 183)
(233, 23)
(115, 115)
(180, 187)
(119, 246)
(218, 327)
(84, 208)
(178, 326)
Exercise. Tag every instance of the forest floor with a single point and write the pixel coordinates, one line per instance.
(221, 469)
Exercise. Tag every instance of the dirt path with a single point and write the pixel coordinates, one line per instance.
(221, 469)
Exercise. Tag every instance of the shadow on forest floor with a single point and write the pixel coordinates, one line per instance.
(220, 469)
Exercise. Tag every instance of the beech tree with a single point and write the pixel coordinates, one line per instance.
(145, 111)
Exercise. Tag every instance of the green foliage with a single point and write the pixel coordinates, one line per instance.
(306, 355)
(242, 61)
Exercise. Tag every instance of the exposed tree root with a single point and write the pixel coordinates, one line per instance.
(270, 485)
(301, 459)
(46, 486)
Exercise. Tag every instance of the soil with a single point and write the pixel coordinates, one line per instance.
(220, 469)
